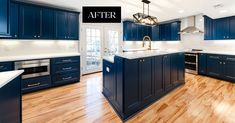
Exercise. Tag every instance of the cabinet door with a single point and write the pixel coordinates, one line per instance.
(14, 10)
(221, 29)
(214, 66)
(167, 72)
(147, 92)
(134, 32)
(181, 68)
(156, 33)
(127, 25)
(175, 29)
(73, 26)
(166, 32)
(132, 88)
(208, 28)
(202, 64)
(232, 28)
(46, 24)
(174, 69)
(4, 18)
(157, 77)
(229, 68)
(29, 22)
(61, 27)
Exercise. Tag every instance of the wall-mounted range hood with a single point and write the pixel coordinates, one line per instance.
(191, 26)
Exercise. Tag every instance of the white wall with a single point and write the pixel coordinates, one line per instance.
(27, 47)
(190, 41)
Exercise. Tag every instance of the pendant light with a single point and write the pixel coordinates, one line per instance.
(145, 19)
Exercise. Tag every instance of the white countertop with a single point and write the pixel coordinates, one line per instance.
(220, 52)
(109, 58)
(142, 54)
(38, 56)
(6, 77)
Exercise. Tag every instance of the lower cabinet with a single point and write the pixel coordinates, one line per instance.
(65, 70)
(34, 84)
(202, 64)
(10, 102)
(221, 67)
(6, 66)
(132, 84)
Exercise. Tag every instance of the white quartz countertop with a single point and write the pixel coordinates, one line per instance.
(38, 56)
(6, 77)
(109, 58)
(142, 54)
(220, 52)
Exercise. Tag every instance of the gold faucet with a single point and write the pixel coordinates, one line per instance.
(147, 38)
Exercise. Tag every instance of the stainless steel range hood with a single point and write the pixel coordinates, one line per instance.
(191, 26)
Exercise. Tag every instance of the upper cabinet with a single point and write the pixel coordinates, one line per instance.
(208, 28)
(219, 29)
(135, 32)
(4, 18)
(29, 21)
(36, 22)
(66, 25)
(162, 32)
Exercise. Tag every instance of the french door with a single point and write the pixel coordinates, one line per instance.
(92, 50)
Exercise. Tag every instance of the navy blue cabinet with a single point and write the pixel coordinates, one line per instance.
(65, 70)
(66, 25)
(10, 102)
(158, 76)
(177, 68)
(175, 29)
(208, 28)
(6, 66)
(221, 29)
(214, 67)
(202, 64)
(167, 73)
(156, 33)
(14, 20)
(4, 18)
(229, 68)
(165, 32)
(147, 84)
(135, 32)
(28, 22)
(232, 29)
(34, 84)
(181, 68)
(35, 22)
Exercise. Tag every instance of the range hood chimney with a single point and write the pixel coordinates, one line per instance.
(191, 26)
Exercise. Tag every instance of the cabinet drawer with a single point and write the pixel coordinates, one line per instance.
(214, 57)
(6, 66)
(230, 58)
(66, 78)
(33, 84)
(74, 59)
(63, 68)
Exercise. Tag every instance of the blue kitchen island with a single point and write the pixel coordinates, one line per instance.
(10, 97)
(133, 81)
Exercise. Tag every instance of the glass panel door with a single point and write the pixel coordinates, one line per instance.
(93, 59)
(112, 41)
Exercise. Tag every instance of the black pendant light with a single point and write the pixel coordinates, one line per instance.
(145, 19)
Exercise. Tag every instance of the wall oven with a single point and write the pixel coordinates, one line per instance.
(191, 63)
(33, 68)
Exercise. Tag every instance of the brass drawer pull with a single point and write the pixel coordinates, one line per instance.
(68, 68)
(67, 78)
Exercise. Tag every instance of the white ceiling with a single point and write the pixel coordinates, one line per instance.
(163, 9)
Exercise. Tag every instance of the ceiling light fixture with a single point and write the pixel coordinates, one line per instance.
(181, 11)
(223, 11)
(145, 19)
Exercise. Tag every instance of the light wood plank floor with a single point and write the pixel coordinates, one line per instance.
(200, 100)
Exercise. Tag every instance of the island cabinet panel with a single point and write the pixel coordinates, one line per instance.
(147, 86)
(158, 77)
(10, 102)
(133, 84)
(167, 72)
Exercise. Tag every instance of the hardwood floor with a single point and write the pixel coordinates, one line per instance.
(200, 100)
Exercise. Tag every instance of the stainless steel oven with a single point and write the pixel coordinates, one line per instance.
(33, 68)
(191, 63)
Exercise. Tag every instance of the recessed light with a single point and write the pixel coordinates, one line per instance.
(181, 11)
(223, 11)
(201, 19)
